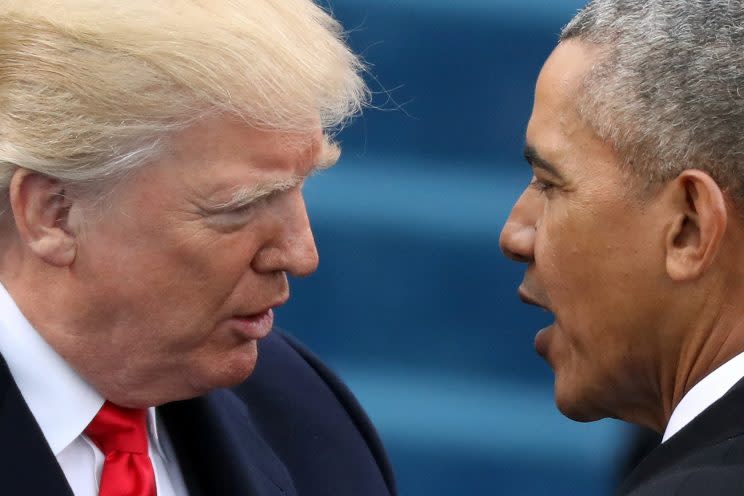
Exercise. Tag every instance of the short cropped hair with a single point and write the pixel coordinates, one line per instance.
(90, 89)
(668, 87)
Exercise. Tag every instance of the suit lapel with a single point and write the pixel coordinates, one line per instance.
(27, 464)
(218, 448)
(220, 451)
(721, 421)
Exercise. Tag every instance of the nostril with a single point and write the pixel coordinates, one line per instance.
(517, 257)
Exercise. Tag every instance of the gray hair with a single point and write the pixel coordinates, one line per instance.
(668, 89)
(90, 90)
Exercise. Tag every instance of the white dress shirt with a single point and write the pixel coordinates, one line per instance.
(63, 405)
(704, 394)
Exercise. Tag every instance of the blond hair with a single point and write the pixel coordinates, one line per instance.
(90, 89)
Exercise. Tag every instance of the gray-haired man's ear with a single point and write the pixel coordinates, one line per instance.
(41, 214)
(694, 237)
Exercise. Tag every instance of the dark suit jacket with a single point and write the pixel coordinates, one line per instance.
(292, 429)
(705, 458)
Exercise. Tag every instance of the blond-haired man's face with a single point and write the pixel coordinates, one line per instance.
(182, 271)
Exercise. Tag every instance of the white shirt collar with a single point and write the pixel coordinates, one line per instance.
(62, 403)
(704, 394)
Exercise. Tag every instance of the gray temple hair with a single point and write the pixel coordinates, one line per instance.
(668, 87)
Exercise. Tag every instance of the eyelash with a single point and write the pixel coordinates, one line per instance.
(541, 186)
(243, 209)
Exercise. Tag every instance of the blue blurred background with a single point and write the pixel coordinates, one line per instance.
(413, 304)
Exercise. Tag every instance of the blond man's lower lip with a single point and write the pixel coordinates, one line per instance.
(253, 326)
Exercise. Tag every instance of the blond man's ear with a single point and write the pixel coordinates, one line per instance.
(41, 212)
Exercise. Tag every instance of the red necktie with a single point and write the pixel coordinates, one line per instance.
(121, 434)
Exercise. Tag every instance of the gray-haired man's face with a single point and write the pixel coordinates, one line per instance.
(593, 254)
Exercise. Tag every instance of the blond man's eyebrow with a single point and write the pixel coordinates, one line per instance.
(246, 195)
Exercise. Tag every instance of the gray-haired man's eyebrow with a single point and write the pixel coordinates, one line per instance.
(533, 158)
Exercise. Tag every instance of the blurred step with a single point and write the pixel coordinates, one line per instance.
(455, 79)
(450, 435)
(411, 271)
